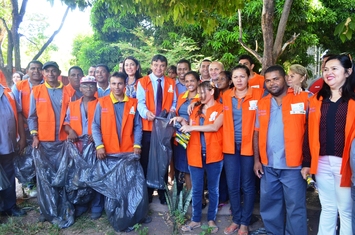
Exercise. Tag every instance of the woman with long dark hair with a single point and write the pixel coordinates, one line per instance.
(132, 69)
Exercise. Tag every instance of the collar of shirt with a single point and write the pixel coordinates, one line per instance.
(58, 87)
(108, 87)
(186, 94)
(114, 100)
(155, 78)
(29, 82)
(249, 92)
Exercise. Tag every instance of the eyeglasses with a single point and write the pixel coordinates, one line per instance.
(87, 86)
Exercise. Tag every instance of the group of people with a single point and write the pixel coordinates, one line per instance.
(242, 125)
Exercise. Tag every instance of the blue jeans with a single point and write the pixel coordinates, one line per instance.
(353, 212)
(283, 197)
(213, 171)
(240, 176)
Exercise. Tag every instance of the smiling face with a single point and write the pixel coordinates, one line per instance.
(240, 79)
(191, 83)
(117, 86)
(34, 72)
(182, 69)
(101, 74)
(335, 74)
(130, 67)
(214, 69)
(275, 84)
(158, 68)
(204, 69)
(51, 74)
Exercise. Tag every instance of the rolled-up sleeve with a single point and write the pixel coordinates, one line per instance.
(32, 116)
(96, 127)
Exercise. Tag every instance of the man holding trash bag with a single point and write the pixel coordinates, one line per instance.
(155, 93)
(48, 105)
(77, 123)
(117, 129)
(12, 124)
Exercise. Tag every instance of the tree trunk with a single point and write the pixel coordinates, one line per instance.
(267, 18)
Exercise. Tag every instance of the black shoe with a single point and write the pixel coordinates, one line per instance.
(95, 215)
(14, 211)
(146, 220)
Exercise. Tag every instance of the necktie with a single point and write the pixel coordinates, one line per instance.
(159, 98)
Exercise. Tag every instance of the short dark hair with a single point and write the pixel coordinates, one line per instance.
(205, 60)
(185, 61)
(193, 73)
(34, 62)
(75, 67)
(119, 75)
(274, 68)
(159, 57)
(241, 66)
(247, 57)
(172, 67)
(103, 65)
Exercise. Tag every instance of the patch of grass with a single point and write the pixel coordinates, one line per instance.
(16, 226)
(82, 223)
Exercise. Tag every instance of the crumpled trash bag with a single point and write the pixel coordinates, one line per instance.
(82, 157)
(51, 162)
(160, 152)
(4, 181)
(25, 170)
(120, 179)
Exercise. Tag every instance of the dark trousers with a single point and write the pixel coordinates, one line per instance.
(144, 162)
(8, 196)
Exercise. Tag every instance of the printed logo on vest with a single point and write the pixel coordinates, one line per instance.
(253, 104)
(312, 109)
(74, 118)
(297, 108)
(171, 89)
(131, 111)
(262, 112)
(41, 100)
(104, 110)
(226, 107)
(213, 116)
(255, 86)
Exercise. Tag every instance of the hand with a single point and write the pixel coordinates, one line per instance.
(101, 153)
(258, 169)
(72, 136)
(190, 108)
(137, 151)
(35, 142)
(176, 119)
(186, 129)
(150, 116)
(21, 145)
(296, 89)
(305, 172)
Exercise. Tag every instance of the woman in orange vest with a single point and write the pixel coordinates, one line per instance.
(132, 69)
(330, 131)
(240, 104)
(204, 153)
(180, 157)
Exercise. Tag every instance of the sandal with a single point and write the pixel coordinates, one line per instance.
(212, 227)
(243, 230)
(191, 226)
(231, 229)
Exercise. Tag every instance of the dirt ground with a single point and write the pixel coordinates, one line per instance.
(160, 225)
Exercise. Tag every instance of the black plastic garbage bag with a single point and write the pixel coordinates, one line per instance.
(4, 181)
(51, 162)
(82, 157)
(120, 179)
(25, 170)
(160, 152)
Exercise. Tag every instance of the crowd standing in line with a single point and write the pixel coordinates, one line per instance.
(271, 127)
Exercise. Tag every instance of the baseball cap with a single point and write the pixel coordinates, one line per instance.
(50, 63)
(88, 79)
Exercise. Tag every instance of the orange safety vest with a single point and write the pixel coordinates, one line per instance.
(70, 91)
(248, 106)
(182, 99)
(24, 87)
(313, 135)
(45, 114)
(75, 121)
(294, 127)
(257, 81)
(214, 140)
(168, 97)
(109, 127)
(12, 101)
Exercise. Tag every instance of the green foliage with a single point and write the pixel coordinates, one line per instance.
(345, 29)
(140, 229)
(206, 229)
